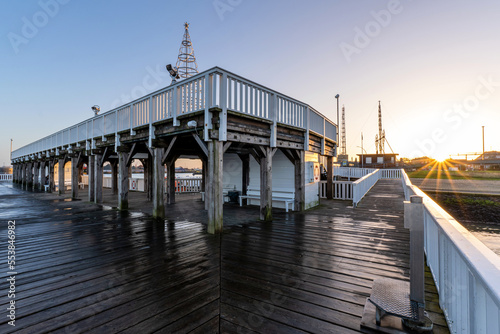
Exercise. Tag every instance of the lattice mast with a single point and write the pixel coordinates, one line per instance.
(380, 138)
(343, 147)
(186, 61)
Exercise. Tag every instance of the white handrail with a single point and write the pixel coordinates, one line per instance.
(214, 87)
(465, 271)
(363, 185)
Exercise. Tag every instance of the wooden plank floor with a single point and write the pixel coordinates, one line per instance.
(86, 268)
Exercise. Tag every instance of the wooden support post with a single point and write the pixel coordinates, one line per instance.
(171, 181)
(266, 179)
(51, 176)
(207, 185)
(158, 184)
(123, 184)
(300, 181)
(417, 265)
(245, 174)
(91, 173)
(214, 194)
(98, 178)
(36, 175)
(204, 167)
(62, 189)
(74, 177)
(30, 176)
(42, 176)
(329, 177)
(114, 177)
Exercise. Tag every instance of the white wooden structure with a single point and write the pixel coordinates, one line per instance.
(216, 116)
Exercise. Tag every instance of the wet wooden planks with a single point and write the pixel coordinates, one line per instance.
(88, 269)
(312, 272)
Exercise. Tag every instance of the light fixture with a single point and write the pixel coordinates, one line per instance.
(174, 73)
(96, 109)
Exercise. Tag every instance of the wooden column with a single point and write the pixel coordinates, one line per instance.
(36, 175)
(25, 176)
(61, 176)
(98, 178)
(158, 184)
(300, 169)
(206, 184)
(245, 174)
(51, 176)
(149, 179)
(329, 177)
(91, 173)
(42, 176)
(123, 182)
(171, 181)
(29, 184)
(114, 177)
(215, 199)
(74, 177)
(266, 179)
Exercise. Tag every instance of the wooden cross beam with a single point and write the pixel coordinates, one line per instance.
(200, 143)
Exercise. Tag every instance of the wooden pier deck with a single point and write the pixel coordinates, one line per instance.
(86, 268)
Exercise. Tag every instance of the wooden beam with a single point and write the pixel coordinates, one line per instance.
(226, 146)
(98, 179)
(200, 143)
(245, 174)
(288, 155)
(74, 177)
(299, 172)
(131, 154)
(329, 177)
(91, 173)
(169, 149)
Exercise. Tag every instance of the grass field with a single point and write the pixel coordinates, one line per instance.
(459, 175)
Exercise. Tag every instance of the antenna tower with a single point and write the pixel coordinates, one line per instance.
(343, 147)
(186, 61)
(380, 138)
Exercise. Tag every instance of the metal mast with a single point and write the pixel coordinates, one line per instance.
(186, 61)
(343, 147)
(380, 138)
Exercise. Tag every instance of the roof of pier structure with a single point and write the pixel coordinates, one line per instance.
(213, 89)
(97, 269)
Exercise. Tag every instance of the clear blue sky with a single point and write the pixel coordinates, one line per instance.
(427, 61)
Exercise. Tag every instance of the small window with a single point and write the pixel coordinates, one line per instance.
(368, 160)
(380, 160)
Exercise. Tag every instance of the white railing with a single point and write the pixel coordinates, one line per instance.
(5, 177)
(465, 271)
(214, 87)
(352, 172)
(188, 185)
(363, 185)
(391, 173)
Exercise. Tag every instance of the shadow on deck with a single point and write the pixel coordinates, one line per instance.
(87, 268)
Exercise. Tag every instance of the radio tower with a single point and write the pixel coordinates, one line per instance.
(380, 138)
(186, 61)
(343, 147)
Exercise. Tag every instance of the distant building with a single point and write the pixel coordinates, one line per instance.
(490, 160)
(373, 160)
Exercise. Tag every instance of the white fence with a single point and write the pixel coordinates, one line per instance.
(214, 87)
(363, 185)
(465, 271)
(351, 172)
(188, 185)
(5, 177)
